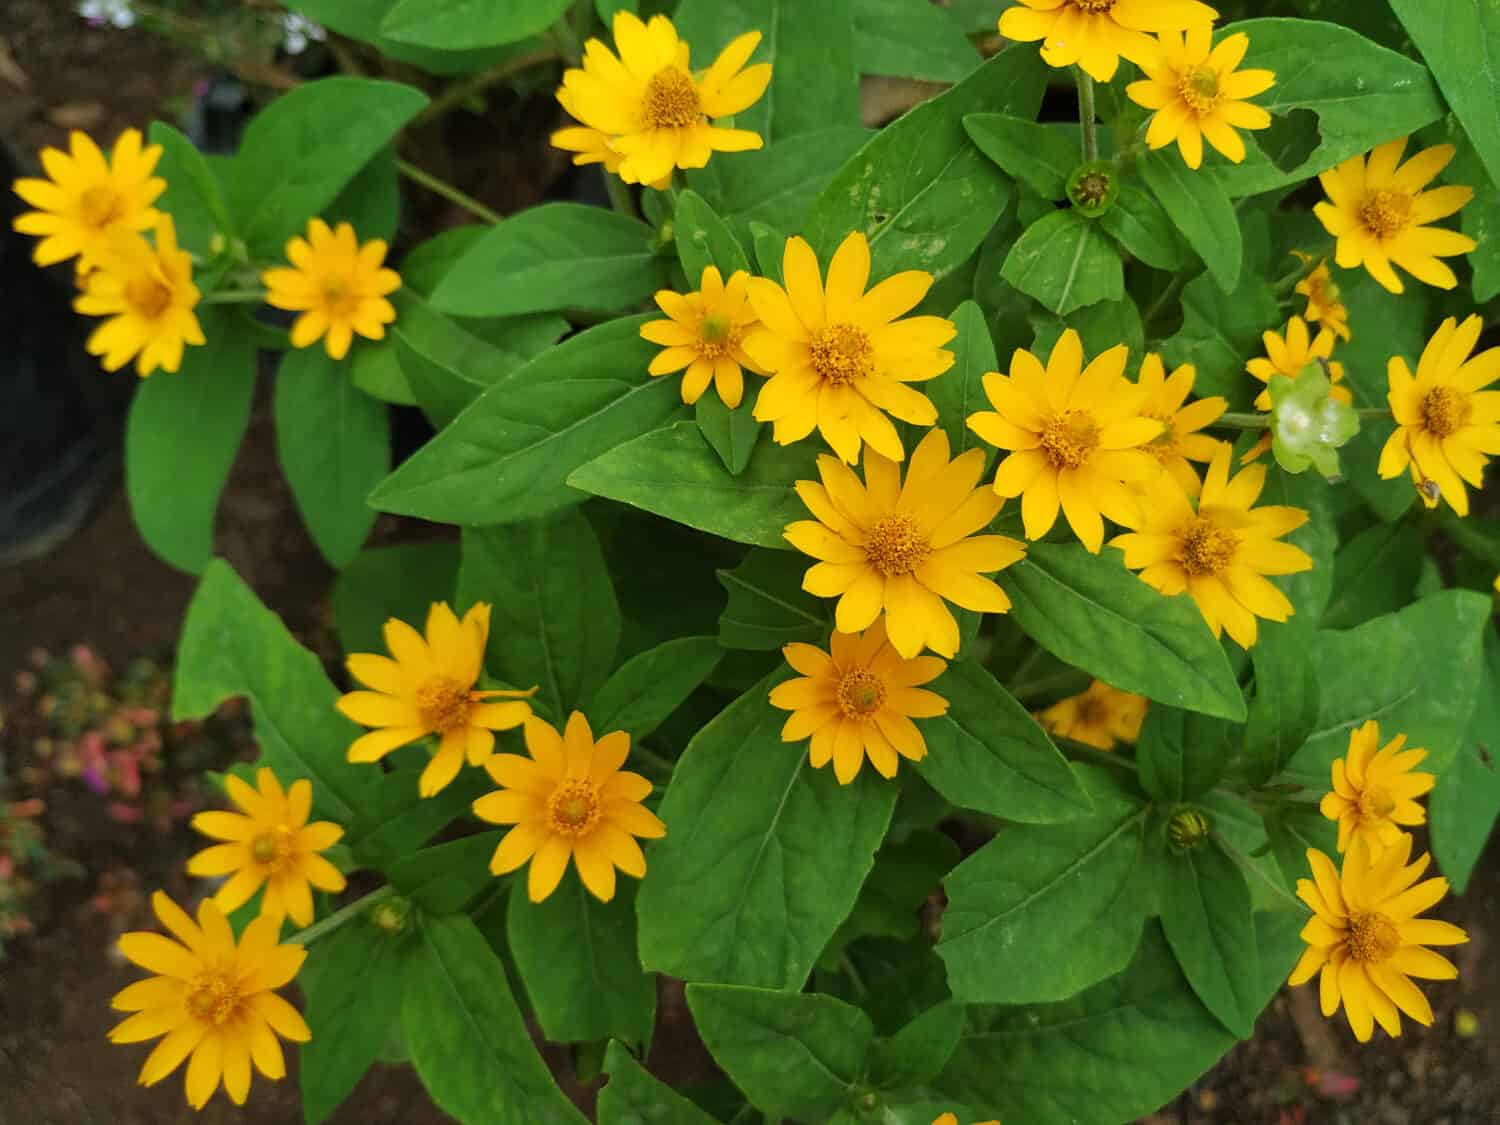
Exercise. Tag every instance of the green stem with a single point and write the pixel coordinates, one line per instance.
(620, 197)
(1086, 116)
(339, 917)
(460, 92)
(569, 45)
(234, 297)
(1174, 288)
(1080, 752)
(447, 191)
(1234, 421)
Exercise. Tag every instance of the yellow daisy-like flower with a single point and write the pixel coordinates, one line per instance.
(1378, 211)
(857, 701)
(901, 548)
(569, 800)
(1375, 790)
(1220, 552)
(1324, 306)
(270, 844)
(1077, 436)
(147, 294)
(1288, 355)
(1096, 34)
(652, 109)
(1166, 402)
(88, 202)
(212, 999)
(706, 334)
(1099, 717)
(590, 146)
(339, 287)
(952, 1119)
(1365, 940)
(428, 688)
(841, 356)
(1198, 94)
(1447, 424)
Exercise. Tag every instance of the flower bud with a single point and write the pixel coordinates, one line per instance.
(1092, 187)
(1188, 828)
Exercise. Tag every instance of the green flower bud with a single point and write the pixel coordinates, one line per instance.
(1093, 186)
(391, 917)
(1308, 425)
(1188, 828)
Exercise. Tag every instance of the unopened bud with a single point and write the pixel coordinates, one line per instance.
(391, 916)
(1188, 828)
(1092, 187)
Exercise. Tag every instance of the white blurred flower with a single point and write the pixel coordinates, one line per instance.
(297, 31)
(101, 12)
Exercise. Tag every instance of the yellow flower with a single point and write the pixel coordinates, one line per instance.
(842, 356)
(428, 689)
(1366, 940)
(1166, 402)
(269, 844)
(1198, 94)
(211, 999)
(1379, 213)
(1323, 304)
(903, 549)
(1098, 717)
(590, 146)
(1219, 553)
(1288, 355)
(858, 700)
(1095, 34)
(1077, 436)
(951, 1119)
(1446, 422)
(88, 202)
(569, 800)
(1375, 791)
(652, 109)
(339, 287)
(705, 334)
(148, 295)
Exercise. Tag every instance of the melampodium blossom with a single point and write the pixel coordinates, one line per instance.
(1095, 34)
(651, 107)
(1166, 402)
(1447, 424)
(952, 1119)
(902, 549)
(429, 689)
(88, 202)
(1375, 790)
(841, 356)
(1077, 438)
(1220, 552)
(211, 999)
(569, 800)
(270, 844)
(1098, 717)
(1198, 94)
(706, 334)
(1379, 213)
(857, 701)
(590, 146)
(148, 295)
(1324, 306)
(1288, 355)
(339, 287)
(1366, 940)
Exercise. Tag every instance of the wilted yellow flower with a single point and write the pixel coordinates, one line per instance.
(1366, 940)
(429, 689)
(339, 287)
(569, 800)
(1096, 34)
(900, 549)
(857, 701)
(211, 999)
(269, 844)
(1166, 402)
(1379, 212)
(88, 202)
(842, 357)
(1324, 306)
(1099, 716)
(951, 1119)
(1447, 424)
(1078, 439)
(706, 334)
(1375, 789)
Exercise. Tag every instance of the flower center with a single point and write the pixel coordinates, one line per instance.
(273, 848)
(895, 546)
(1093, 5)
(842, 353)
(98, 207)
(1199, 87)
(671, 100)
(1372, 938)
(1163, 443)
(860, 693)
(717, 336)
(148, 297)
(574, 808)
(1091, 712)
(1376, 804)
(1207, 548)
(444, 704)
(214, 996)
(1386, 213)
(1070, 438)
(339, 298)
(1445, 411)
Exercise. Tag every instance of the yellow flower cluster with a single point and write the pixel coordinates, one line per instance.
(1101, 716)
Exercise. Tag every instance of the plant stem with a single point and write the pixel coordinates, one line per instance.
(1244, 421)
(1080, 752)
(339, 917)
(1086, 116)
(1172, 289)
(234, 297)
(446, 190)
(460, 92)
(568, 43)
(619, 195)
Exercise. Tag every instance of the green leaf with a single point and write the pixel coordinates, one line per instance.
(959, 391)
(1205, 913)
(1181, 753)
(1374, 573)
(1284, 708)
(767, 606)
(763, 857)
(194, 197)
(732, 433)
(634, 1097)
(1309, 590)
(905, 873)
(396, 820)
(1219, 330)
(1066, 262)
(1092, 613)
(440, 391)
(557, 256)
(919, 1051)
(793, 1054)
(1144, 229)
(466, 1036)
(1480, 220)
(1100, 326)
(360, 19)
(445, 878)
(649, 686)
(1079, 886)
(1201, 211)
(384, 582)
(1466, 802)
(181, 438)
(703, 239)
(673, 472)
(904, 40)
(465, 24)
(919, 190)
(371, 201)
(508, 455)
(1040, 157)
(554, 619)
